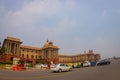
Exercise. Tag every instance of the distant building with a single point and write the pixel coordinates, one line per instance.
(90, 56)
(48, 53)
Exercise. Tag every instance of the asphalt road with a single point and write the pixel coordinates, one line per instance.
(107, 72)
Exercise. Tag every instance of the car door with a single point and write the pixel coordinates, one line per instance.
(66, 68)
(62, 66)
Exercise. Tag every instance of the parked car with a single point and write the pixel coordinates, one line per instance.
(86, 64)
(93, 63)
(74, 65)
(70, 64)
(103, 62)
(41, 66)
(61, 67)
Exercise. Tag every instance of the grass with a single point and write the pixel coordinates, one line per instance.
(2, 66)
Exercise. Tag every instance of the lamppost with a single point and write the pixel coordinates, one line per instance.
(0, 44)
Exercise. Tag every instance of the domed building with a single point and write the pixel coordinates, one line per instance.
(46, 54)
(50, 52)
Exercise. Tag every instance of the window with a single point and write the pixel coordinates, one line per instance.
(32, 56)
(11, 59)
(22, 55)
(40, 57)
(27, 56)
(40, 51)
(61, 64)
(23, 50)
(36, 56)
(27, 50)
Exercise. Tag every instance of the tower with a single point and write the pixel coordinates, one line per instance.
(50, 52)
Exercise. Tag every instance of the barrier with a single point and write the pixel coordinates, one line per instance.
(19, 68)
(14, 68)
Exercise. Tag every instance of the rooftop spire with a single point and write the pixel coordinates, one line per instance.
(47, 40)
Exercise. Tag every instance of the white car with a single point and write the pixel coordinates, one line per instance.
(61, 67)
(41, 66)
(86, 64)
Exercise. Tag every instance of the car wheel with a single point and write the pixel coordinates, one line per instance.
(59, 70)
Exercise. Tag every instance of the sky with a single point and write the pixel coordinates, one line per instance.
(74, 26)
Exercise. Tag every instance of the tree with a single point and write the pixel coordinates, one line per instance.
(2, 50)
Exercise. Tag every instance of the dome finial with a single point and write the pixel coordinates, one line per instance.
(47, 40)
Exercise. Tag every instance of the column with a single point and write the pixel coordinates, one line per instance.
(14, 48)
(6, 47)
(7, 44)
(17, 49)
(49, 53)
(10, 48)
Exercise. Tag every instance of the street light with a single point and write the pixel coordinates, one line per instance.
(0, 44)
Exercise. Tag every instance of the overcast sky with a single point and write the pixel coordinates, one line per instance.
(74, 26)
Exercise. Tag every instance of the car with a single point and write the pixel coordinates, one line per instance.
(103, 62)
(41, 66)
(61, 67)
(93, 63)
(86, 64)
(38, 65)
(74, 65)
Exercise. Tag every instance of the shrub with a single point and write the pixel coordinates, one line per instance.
(30, 65)
(9, 62)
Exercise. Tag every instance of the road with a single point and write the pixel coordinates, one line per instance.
(107, 72)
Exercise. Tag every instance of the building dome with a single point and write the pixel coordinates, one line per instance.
(49, 44)
(46, 44)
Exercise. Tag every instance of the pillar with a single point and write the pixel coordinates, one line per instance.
(10, 47)
(17, 49)
(7, 44)
(14, 48)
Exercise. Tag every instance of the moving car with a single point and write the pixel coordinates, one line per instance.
(61, 67)
(103, 62)
(86, 64)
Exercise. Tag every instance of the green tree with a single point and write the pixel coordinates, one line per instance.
(2, 50)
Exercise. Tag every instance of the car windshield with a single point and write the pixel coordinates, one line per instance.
(61, 64)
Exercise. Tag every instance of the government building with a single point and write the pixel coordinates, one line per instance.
(48, 53)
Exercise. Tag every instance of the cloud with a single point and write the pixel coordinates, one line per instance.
(65, 22)
(31, 19)
(70, 4)
(31, 12)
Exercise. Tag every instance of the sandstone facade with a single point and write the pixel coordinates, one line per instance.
(48, 53)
